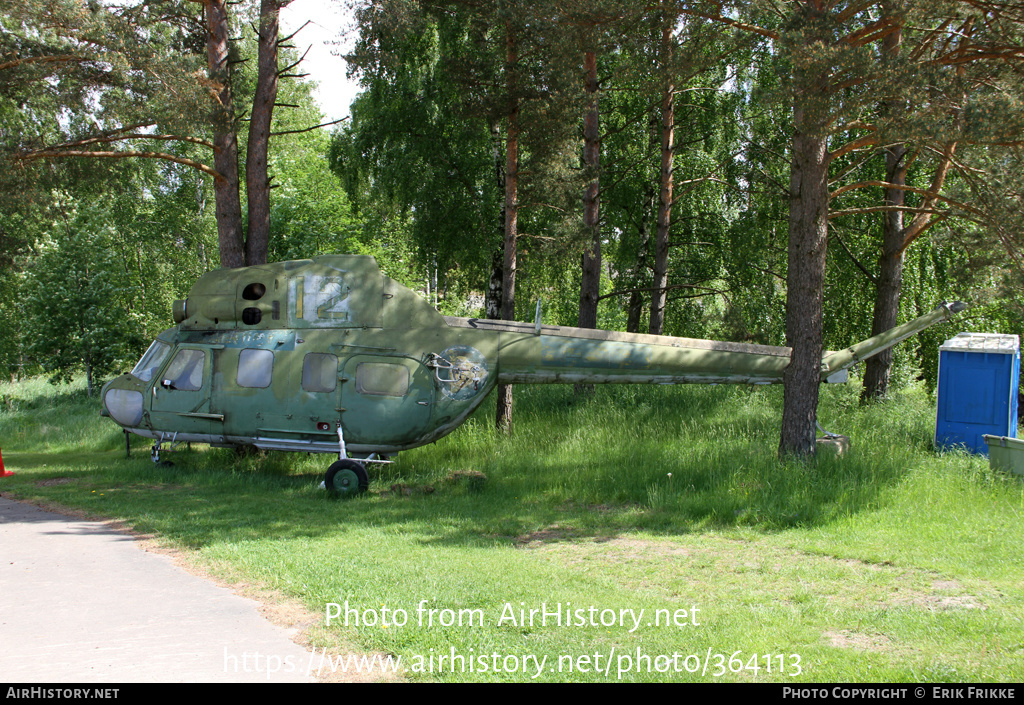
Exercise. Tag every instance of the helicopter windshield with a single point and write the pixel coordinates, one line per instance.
(151, 361)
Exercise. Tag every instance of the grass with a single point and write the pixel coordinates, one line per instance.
(892, 563)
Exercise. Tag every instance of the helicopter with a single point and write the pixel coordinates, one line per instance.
(328, 355)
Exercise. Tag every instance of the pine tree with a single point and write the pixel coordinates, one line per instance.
(130, 78)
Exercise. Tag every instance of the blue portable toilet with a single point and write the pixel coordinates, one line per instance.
(977, 391)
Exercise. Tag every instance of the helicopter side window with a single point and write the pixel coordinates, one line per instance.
(382, 379)
(255, 368)
(320, 372)
(151, 361)
(186, 370)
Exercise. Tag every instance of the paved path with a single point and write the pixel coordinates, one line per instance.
(82, 602)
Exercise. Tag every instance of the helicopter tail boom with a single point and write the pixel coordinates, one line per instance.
(533, 354)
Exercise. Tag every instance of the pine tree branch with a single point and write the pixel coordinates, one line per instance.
(42, 154)
(854, 167)
(923, 229)
(732, 23)
(859, 143)
(309, 129)
(853, 10)
(130, 136)
(290, 36)
(929, 40)
(707, 292)
(875, 36)
(960, 166)
(925, 192)
(838, 238)
(292, 65)
(672, 287)
(870, 32)
(921, 221)
(878, 209)
(63, 58)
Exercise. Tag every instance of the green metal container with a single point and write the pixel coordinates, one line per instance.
(1006, 453)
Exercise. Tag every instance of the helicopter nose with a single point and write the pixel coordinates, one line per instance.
(124, 406)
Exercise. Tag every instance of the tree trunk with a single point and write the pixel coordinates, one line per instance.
(890, 263)
(590, 285)
(257, 181)
(508, 281)
(668, 128)
(890, 276)
(636, 278)
(225, 138)
(805, 276)
(590, 281)
(635, 311)
(492, 301)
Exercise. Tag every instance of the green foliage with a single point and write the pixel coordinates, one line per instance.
(310, 211)
(754, 250)
(409, 145)
(427, 138)
(81, 310)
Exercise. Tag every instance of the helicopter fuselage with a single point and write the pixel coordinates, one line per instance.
(328, 355)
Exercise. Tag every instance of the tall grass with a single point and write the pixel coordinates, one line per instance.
(37, 416)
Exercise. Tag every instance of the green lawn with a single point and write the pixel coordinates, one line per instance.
(892, 563)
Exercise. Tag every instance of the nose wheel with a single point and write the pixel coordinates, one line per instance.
(346, 478)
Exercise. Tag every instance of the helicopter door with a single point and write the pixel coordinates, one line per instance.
(317, 398)
(180, 396)
(259, 389)
(386, 400)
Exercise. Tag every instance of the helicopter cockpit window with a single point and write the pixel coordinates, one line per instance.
(320, 372)
(255, 368)
(382, 379)
(151, 361)
(186, 370)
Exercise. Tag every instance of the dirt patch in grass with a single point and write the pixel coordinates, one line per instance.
(56, 481)
(605, 508)
(951, 602)
(474, 479)
(725, 570)
(633, 548)
(403, 490)
(845, 639)
(945, 595)
(861, 565)
(552, 534)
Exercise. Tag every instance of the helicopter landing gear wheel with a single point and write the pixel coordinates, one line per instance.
(346, 478)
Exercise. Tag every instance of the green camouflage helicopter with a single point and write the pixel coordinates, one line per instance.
(329, 356)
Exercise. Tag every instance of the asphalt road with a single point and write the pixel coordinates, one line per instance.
(81, 602)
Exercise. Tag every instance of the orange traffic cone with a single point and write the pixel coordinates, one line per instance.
(3, 472)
